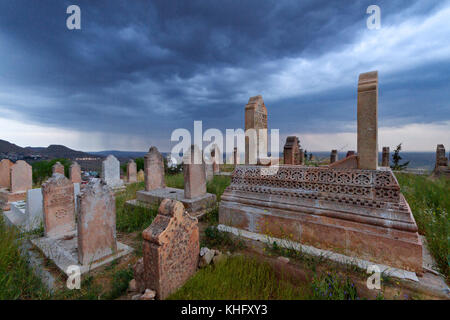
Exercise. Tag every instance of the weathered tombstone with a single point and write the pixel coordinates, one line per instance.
(5, 173)
(58, 168)
(209, 172)
(333, 156)
(171, 249)
(154, 170)
(21, 177)
(441, 160)
(291, 151)
(368, 120)
(58, 206)
(96, 220)
(301, 157)
(141, 176)
(75, 173)
(111, 172)
(236, 156)
(255, 118)
(215, 156)
(194, 174)
(385, 157)
(350, 153)
(34, 209)
(131, 172)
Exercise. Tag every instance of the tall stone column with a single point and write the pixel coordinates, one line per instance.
(368, 120)
(255, 118)
(333, 156)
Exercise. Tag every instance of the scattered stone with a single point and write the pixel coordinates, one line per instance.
(206, 258)
(283, 259)
(148, 295)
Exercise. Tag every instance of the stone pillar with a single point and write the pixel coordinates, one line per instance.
(209, 172)
(75, 173)
(194, 174)
(255, 118)
(58, 168)
(96, 220)
(21, 177)
(58, 206)
(131, 172)
(333, 156)
(171, 249)
(291, 151)
(385, 157)
(5, 173)
(111, 172)
(215, 157)
(154, 170)
(368, 120)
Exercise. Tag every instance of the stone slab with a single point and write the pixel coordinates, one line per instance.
(63, 251)
(7, 197)
(196, 205)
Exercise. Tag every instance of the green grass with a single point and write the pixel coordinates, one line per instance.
(430, 203)
(130, 219)
(17, 280)
(239, 277)
(175, 180)
(217, 185)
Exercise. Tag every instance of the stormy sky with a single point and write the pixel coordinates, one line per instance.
(139, 69)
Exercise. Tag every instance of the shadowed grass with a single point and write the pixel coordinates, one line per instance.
(430, 203)
(17, 280)
(238, 277)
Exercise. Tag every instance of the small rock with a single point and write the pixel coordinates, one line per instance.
(136, 297)
(283, 259)
(203, 250)
(148, 295)
(132, 286)
(206, 258)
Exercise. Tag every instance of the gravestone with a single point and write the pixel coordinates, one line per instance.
(209, 172)
(75, 173)
(34, 207)
(215, 157)
(291, 151)
(368, 120)
(111, 172)
(58, 168)
(194, 174)
(255, 118)
(58, 206)
(5, 173)
(154, 170)
(141, 176)
(131, 172)
(96, 221)
(21, 177)
(301, 157)
(236, 156)
(385, 157)
(441, 160)
(333, 156)
(171, 249)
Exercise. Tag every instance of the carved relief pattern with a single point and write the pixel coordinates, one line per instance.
(371, 188)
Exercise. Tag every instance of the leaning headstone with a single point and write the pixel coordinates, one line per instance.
(21, 177)
(141, 176)
(154, 170)
(58, 206)
(171, 249)
(111, 172)
(58, 168)
(368, 120)
(96, 220)
(5, 173)
(255, 118)
(385, 157)
(194, 174)
(75, 173)
(333, 156)
(131, 172)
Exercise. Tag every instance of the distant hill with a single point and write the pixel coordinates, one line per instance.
(120, 154)
(14, 152)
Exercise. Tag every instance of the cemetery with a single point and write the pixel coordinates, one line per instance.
(205, 232)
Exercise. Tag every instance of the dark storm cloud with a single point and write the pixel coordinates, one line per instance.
(147, 67)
